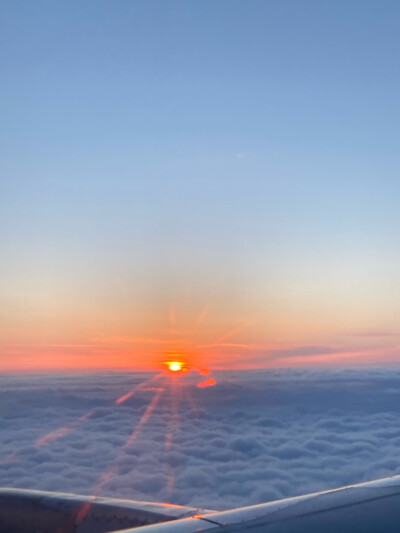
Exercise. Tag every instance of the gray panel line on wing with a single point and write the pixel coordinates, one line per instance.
(209, 520)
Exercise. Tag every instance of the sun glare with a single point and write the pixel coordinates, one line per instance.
(175, 366)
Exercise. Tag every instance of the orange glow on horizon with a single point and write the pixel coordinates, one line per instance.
(192, 337)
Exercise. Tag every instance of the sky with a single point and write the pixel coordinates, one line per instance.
(256, 436)
(214, 181)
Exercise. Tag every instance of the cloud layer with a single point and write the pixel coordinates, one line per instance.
(255, 436)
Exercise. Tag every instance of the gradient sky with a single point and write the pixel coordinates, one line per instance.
(215, 178)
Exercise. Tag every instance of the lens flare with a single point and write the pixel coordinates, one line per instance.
(207, 383)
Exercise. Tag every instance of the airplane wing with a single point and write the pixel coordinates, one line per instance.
(372, 507)
(25, 511)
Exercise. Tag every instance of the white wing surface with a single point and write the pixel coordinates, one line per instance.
(372, 507)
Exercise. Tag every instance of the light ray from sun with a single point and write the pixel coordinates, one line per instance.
(173, 417)
(234, 331)
(191, 402)
(66, 430)
(8, 459)
(63, 431)
(108, 474)
(145, 417)
(137, 388)
(173, 424)
(203, 315)
(172, 315)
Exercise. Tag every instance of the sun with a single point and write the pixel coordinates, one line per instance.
(175, 366)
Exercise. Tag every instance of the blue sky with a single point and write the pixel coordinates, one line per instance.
(248, 150)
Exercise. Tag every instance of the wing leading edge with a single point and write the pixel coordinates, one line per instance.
(371, 507)
(24, 511)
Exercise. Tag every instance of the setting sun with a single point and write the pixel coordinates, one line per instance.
(175, 366)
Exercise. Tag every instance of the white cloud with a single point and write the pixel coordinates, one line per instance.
(253, 437)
